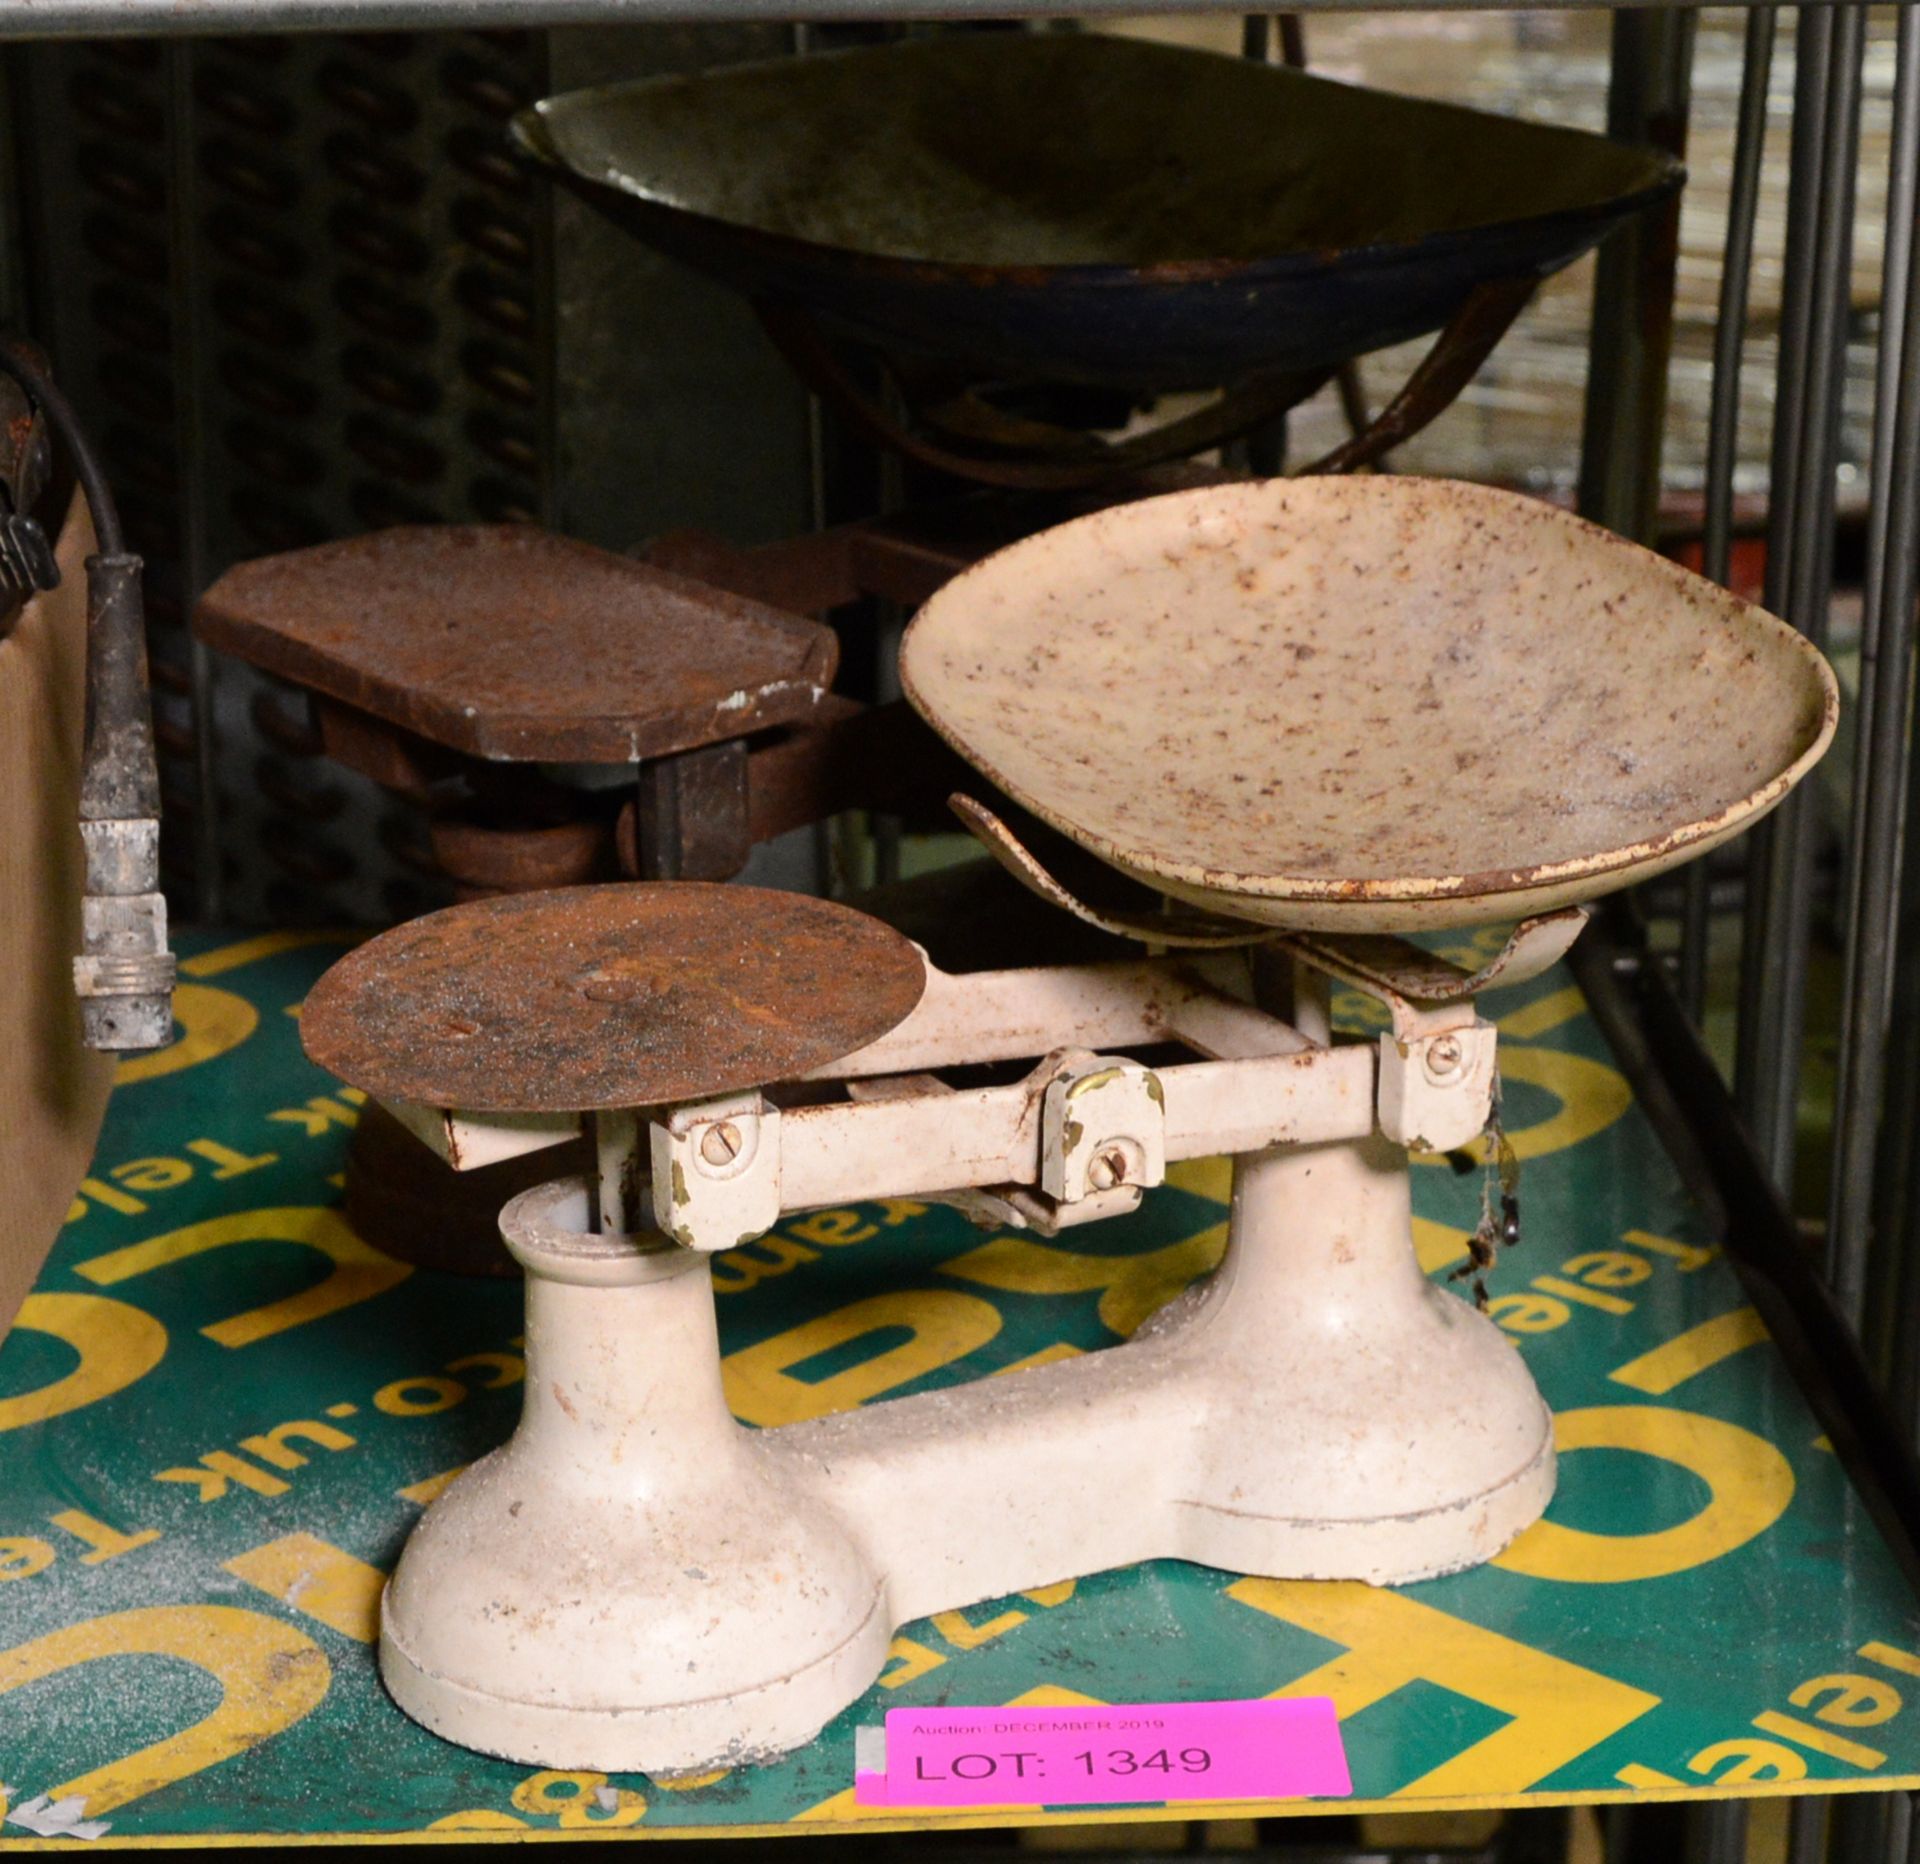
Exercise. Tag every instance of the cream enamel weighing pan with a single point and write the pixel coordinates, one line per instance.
(1374, 703)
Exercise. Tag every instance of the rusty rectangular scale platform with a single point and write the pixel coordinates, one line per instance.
(512, 644)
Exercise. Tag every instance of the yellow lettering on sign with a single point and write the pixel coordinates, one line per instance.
(1542, 1014)
(1438, 1246)
(1750, 1760)
(1054, 1696)
(1689, 1256)
(1850, 1701)
(509, 1368)
(1751, 1484)
(1608, 1268)
(274, 1446)
(103, 1194)
(1528, 1313)
(318, 1578)
(834, 1227)
(1045, 1356)
(1209, 1178)
(418, 1397)
(1056, 1594)
(270, 1673)
(211, 1022)
(1675, 1361)
(1894, 1659)
(152, 1174)
(1820, 1740)
(1644, 1779)
(1557, 1709)
(575, 1799)
(117, 1344)
(941, 1326)
(21, 1557)
(963, 1635)
(1586, 1297)
(773, 1254)
(263, 945)
(1591, 1095)
(212, 1474)
(432, 1488)
(1133, 1286)
(358, 1273)
(322, 1113)
(909, 1660)
(226, 1162)
(103, 1542)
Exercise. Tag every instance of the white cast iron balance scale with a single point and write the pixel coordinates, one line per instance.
(1310, 715)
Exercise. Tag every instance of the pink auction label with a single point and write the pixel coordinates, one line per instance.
(1096, 1755)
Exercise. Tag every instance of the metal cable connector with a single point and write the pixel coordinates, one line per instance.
(124, 973)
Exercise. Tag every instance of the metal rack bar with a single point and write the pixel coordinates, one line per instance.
(1807, 1832)
(1812, 48)
(189, 347)
(52, 19)
(1799, 563)
(1680, 1089)
(1633, 285)
(1723, 419)
(1886, 664)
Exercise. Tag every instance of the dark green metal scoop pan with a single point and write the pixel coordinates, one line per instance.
(1076, 208)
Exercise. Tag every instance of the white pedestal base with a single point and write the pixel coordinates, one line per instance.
(634, 1582)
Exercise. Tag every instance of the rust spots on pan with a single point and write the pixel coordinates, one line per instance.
(1368, 703)
(618, 996)
(508, 642)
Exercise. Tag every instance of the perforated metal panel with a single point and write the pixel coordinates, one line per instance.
(293, 284)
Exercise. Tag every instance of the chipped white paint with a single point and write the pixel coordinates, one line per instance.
(57, 1818)
(467, 1141)
(740, 700)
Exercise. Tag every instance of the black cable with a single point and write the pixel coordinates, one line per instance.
(86, 466)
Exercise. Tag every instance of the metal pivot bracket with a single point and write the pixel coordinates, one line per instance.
(1437, 1062)
(716, 1172)
(1007, 1206)
(1170, 926)
(1435, 1089)
(1103, 1127)
(1425, 993)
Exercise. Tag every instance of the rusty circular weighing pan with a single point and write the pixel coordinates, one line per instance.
(1080, 208)
(1368, 704)
(620, 996)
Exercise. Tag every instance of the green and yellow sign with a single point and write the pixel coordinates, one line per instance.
(221, 1412)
